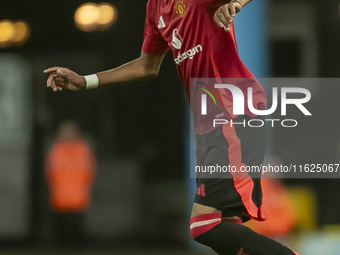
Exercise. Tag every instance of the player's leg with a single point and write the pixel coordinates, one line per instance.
(227, 236)
(223, 199)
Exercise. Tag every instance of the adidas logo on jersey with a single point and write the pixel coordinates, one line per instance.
(161, 23)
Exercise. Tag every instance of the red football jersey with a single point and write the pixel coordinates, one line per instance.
(201, 49)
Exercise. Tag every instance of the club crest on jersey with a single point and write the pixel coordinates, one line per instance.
(180, 8)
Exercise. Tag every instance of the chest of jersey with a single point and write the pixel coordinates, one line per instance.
(180, 22)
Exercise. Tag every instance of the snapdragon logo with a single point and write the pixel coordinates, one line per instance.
(177, 42)
(238, 103)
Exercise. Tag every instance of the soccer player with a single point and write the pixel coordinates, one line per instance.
(201, 35)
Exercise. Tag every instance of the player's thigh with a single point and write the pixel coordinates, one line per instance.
(198, 209)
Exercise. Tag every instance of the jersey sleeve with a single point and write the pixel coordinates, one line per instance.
(153, 43)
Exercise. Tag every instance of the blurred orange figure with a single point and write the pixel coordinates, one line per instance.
(70, 167)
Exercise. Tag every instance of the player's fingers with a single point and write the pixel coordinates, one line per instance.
(223, 23)
(226, 13)
(52, 69)
(55, 87)
(58, 79)
(50, 82)
(217, 20)
(64, 73)
(232, 9)
(220, 19)
(223, 17)
(59, 84)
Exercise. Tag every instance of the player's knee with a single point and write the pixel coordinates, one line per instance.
(202, 224)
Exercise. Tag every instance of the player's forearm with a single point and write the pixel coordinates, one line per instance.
(143, 68)
(244, 2)
(128, 72)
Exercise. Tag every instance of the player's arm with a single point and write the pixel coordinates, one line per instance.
(145, 67)
(225, 15)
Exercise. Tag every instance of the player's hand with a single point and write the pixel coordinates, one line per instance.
(225, 15)
(63, 78)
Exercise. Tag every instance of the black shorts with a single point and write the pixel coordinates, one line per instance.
(231, 146)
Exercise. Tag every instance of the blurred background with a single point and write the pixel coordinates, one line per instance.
(139, 194)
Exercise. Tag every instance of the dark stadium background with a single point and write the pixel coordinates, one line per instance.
(141, 128)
